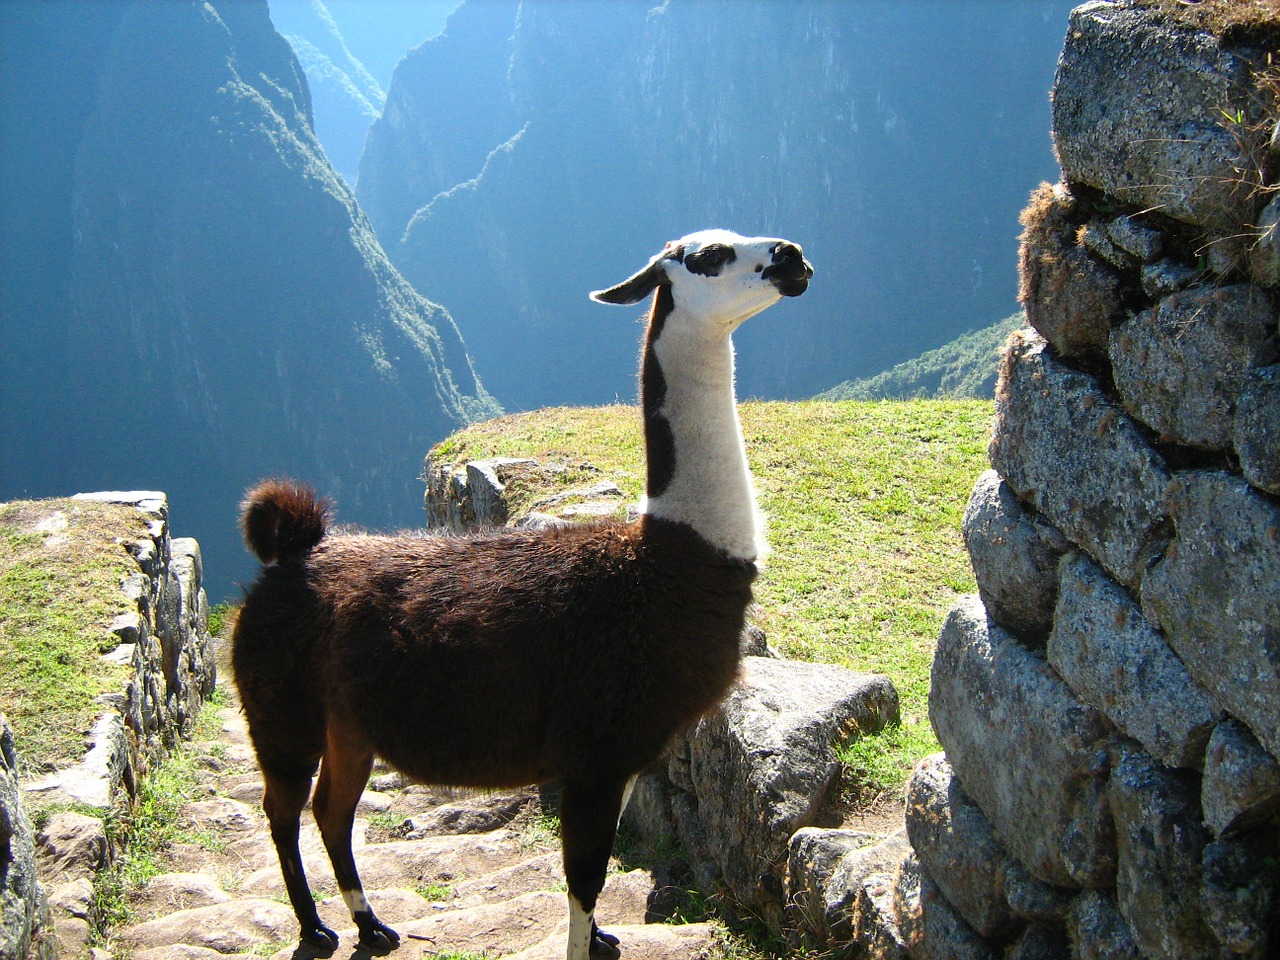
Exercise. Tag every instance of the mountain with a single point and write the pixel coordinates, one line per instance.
(965, 367)
(536, 151)
(191, 297)
(348, 49)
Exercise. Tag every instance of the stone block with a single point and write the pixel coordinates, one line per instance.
(908, 907)
(1034, 900)
(1241, 785)
(957, 847)
(1161, 842)
(1070, 297)
(1255, 431)
(1078, 459)
(1135, 238)
(875, 932)
(1015, 557)
(1032, 756)
(764, 766)
(1113, 658)
(1214, 593)
(1239, 891)
(819, 897)
(1098, 931)
(945, 932)
(1180, 366)
(24, 907)
(1151, 134)
(1039, 942)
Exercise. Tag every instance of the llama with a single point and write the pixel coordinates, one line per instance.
(508, 658)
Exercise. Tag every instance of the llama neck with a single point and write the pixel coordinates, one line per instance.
(697, 464)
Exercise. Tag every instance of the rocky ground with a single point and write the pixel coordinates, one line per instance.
(476, 875)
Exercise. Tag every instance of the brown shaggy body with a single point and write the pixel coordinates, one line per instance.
(494, 660)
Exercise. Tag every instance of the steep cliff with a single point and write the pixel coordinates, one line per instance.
(528, 153)
(192, 297)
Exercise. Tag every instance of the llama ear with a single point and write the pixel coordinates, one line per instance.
(634, 288)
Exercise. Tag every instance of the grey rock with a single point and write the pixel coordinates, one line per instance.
(908, 906)
(1151, 135)
(957, 847)
(476, 815)
(1241, 785)
(1239, 891)
(764, 766)
(72, 845)
(1097, 239)
(1113, 658)
(1255, 432)
(1014, 555)
(826, 871)
(1031, 755)
(945, 932)
(462, 497)
(1180, 365)
(1032, 899)
(1070, 297)
(1214, 593)
(1038, 942)
(24, 907)
(1097, 930)
(1161, 842)
(1077, 458)
(875, 931)
(1164, 277)
(1264, 253)
(1141, 242)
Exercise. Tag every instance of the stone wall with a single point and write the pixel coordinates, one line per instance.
(1109, 704)
(164, 636)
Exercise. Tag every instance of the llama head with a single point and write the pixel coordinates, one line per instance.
(719, 276)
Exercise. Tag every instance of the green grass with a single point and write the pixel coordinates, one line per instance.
(864, 502)
(59, 591)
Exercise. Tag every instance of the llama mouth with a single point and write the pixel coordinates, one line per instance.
(789, 271)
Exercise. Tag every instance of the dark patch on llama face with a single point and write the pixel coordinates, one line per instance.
(660, 441)
(710, 260)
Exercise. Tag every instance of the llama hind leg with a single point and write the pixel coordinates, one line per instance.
(284, 796)
(588, 823)
(343, 775)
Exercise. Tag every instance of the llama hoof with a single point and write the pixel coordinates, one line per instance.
(604, 945)
(377, 937)
(320, 937)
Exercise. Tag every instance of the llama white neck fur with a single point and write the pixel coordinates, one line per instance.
(711, 488)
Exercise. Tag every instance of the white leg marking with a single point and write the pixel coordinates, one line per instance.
(579, 944)
(355, 901)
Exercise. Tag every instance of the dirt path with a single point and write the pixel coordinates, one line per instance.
(473, 875)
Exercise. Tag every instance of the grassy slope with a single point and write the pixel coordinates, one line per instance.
(864, 502)
(965, 367)
(59, 591)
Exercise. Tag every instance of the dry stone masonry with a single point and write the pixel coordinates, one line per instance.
(1109, 704)
(164, 636)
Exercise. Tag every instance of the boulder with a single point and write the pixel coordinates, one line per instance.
(1255, 431)
(826, 873)
(1095, 926)
(1113, 658)
(957, 847)
(1180, 366)
(747, 777)
(1151, 135)
(1077, 458)
(1214, 593)
(1030, 754)
(1238, 892)
(72, 845)
(1241, 785)
(1161, 841)
(945, 932)
(1015, 557)
(1070, 297)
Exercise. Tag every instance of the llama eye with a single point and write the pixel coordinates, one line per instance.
(710, 259)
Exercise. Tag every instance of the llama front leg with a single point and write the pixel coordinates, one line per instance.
(588, 823)
(343, 775)
(283, 798)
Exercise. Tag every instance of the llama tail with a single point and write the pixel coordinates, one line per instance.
(282, 520)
